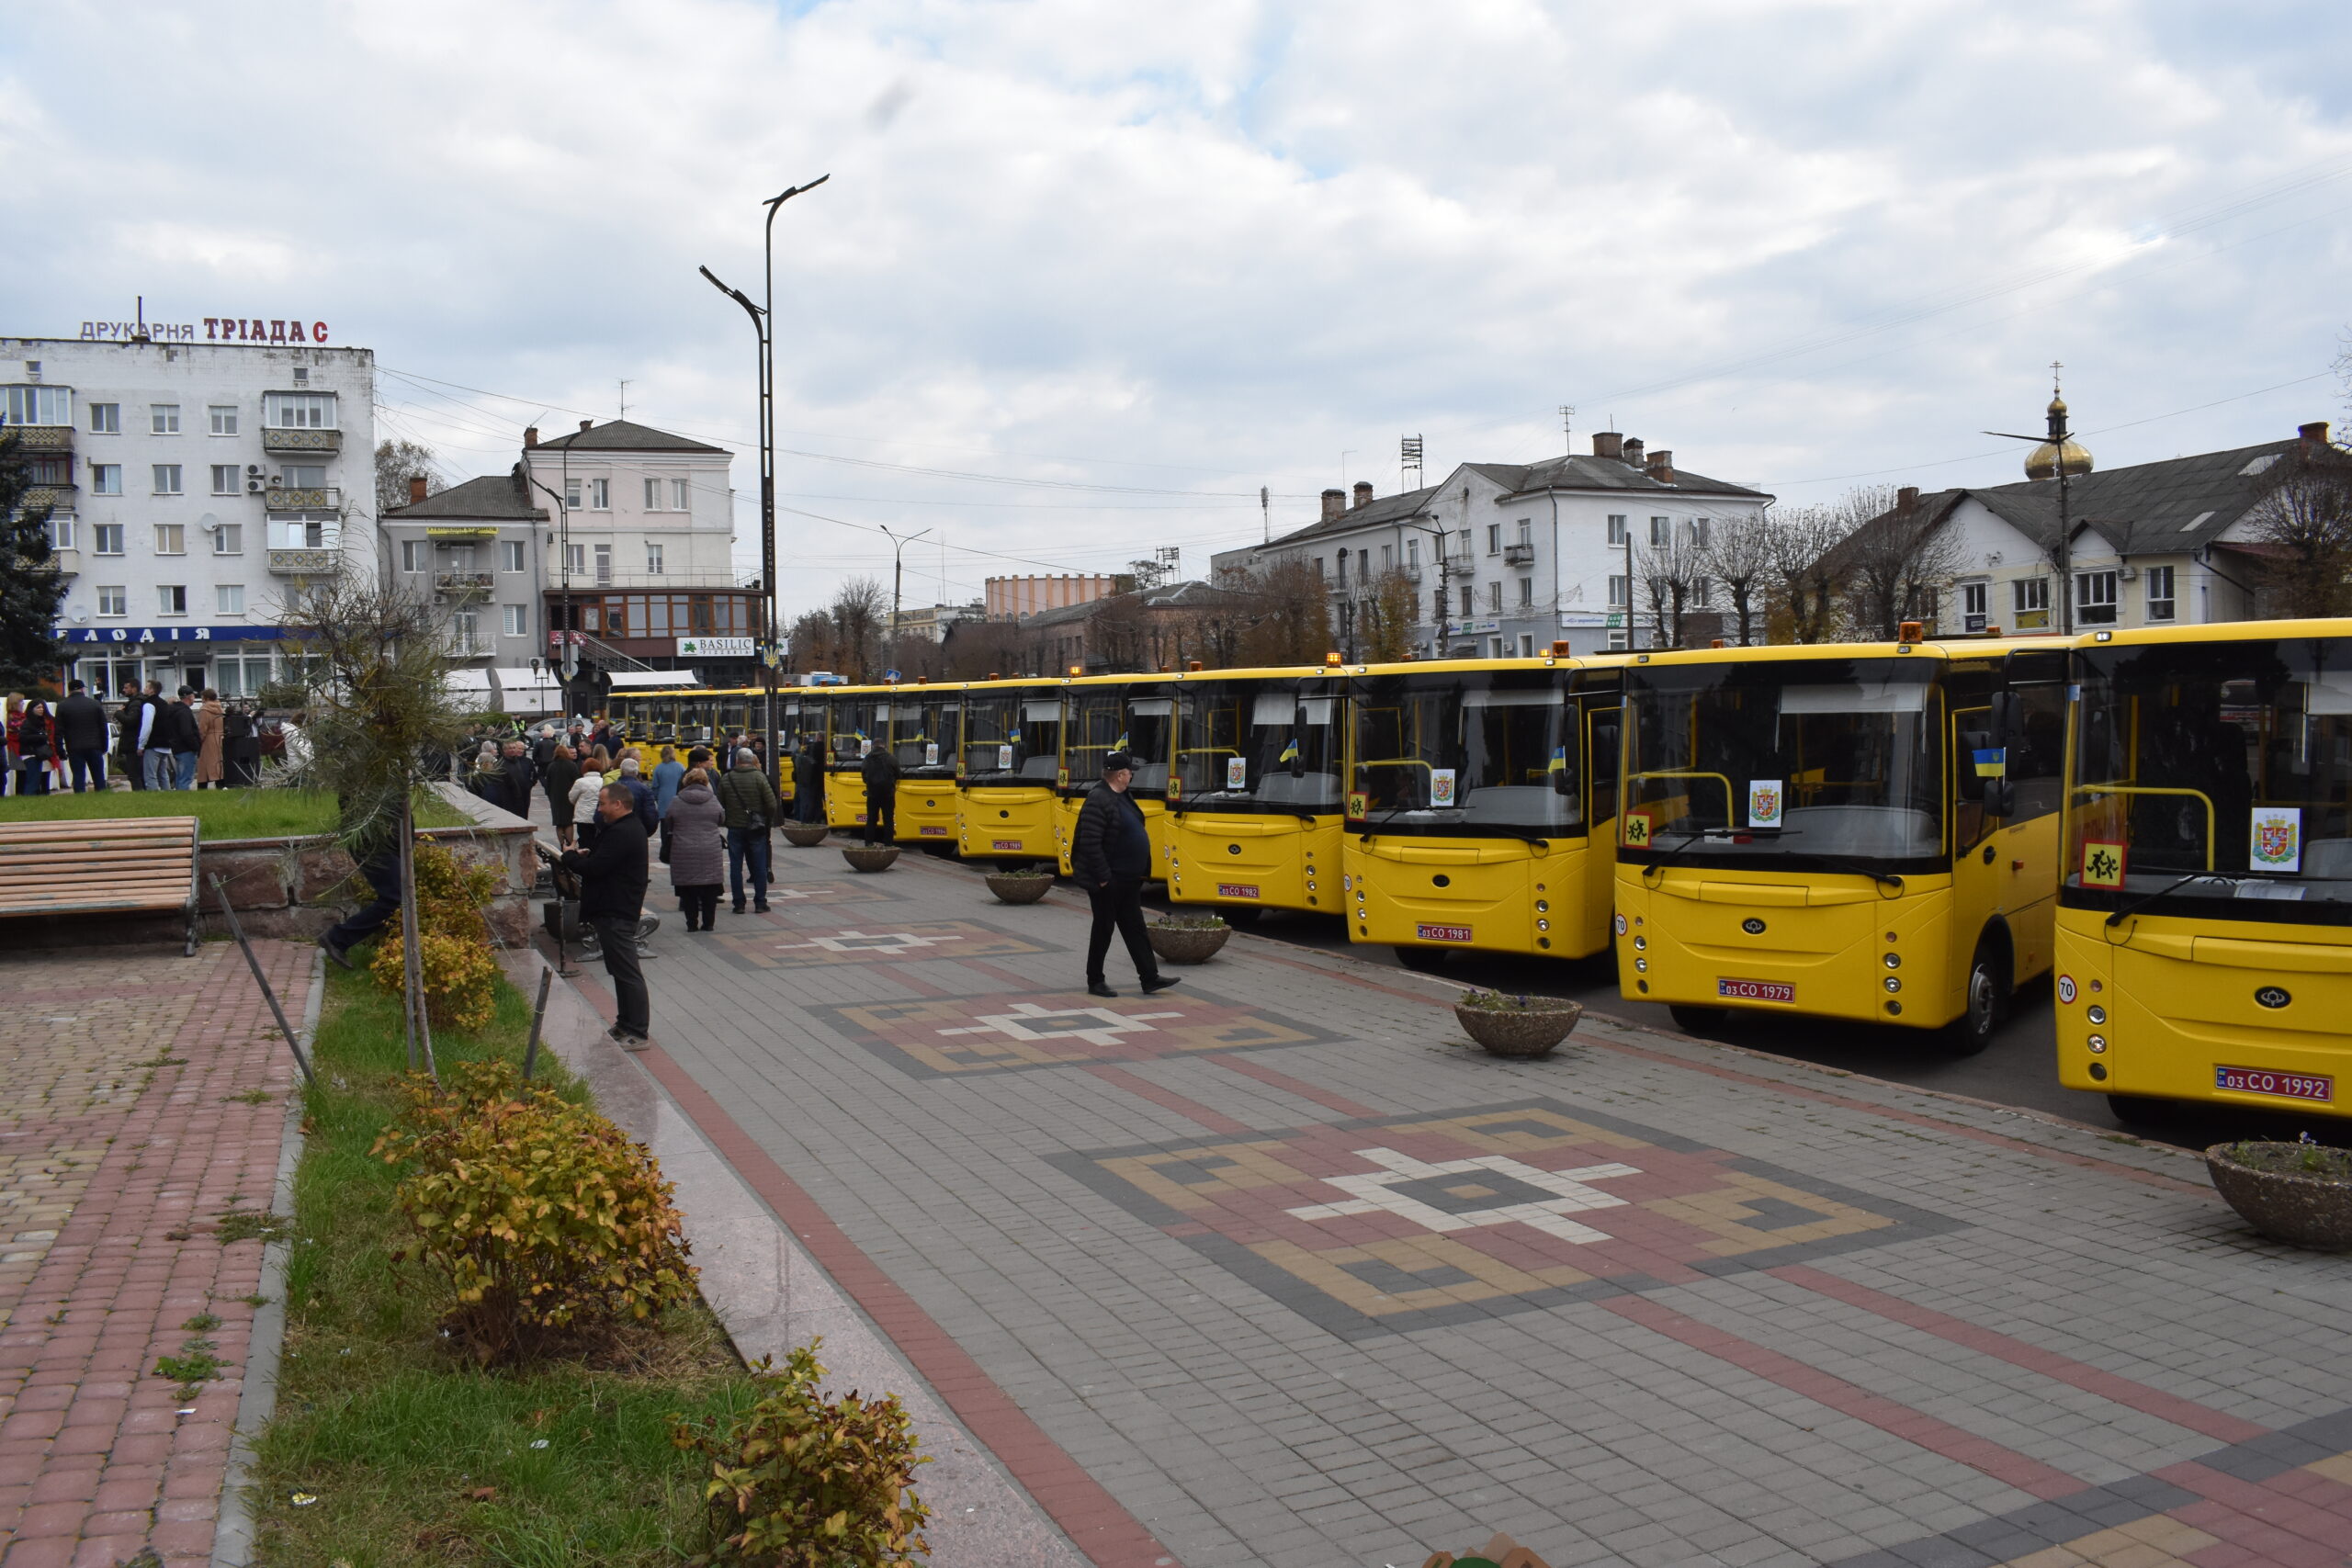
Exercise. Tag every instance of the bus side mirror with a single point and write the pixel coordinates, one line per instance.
(2003, 718)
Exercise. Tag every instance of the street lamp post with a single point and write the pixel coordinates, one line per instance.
(898, 574)
(764, 328)
(2056, 455)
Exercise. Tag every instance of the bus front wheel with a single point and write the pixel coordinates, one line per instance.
(2143, 1114)
(1240, 916)
(1422, 960)
(1697, 1021)
(1980, 1015)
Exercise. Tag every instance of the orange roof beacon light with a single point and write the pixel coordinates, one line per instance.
(1714, 642)
(1192, 664)
(1560, 650)
(1331, 659)
(1078, 670)
(1910, 631)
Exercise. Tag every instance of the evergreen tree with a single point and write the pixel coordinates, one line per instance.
(30, 588)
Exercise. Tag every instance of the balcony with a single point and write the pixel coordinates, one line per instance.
(65, 563)
(44, 438)
(276, 439)
(1412, 572)
(305, 562)
(462, 587)
(54, 495)
(1519, 555)
(323, 498)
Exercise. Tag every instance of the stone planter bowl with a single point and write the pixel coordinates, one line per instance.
(2289, 1206)
(805, 835)
(870, 857)
(1187, 944)
(1013, 889)
(1532, 1031)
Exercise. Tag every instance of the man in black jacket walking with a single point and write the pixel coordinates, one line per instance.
(612, 896)
(82, 737)
(1111, 853)
(126, 740)
(880, 774)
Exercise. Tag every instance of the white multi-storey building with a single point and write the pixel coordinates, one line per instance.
(193, 484)
(1508, 558)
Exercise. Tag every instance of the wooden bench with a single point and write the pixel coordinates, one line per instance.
(98, 865)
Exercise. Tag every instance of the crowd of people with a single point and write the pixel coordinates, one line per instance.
(190, 741)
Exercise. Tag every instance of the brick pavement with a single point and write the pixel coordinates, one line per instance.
(124, 1136)
(1292, 1276)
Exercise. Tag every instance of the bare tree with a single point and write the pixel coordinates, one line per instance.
(1740, 556)
(1385, 619)
(1897, 564)
(397, 462)
(859, 607)
(1290, 619)
(2304, 522)
(1808, 570)
(1669, 573)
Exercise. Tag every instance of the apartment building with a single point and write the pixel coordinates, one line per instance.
(193, 484)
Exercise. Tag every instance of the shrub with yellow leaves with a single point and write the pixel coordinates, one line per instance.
(460, 971)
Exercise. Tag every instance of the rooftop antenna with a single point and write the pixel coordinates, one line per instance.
(624, 398)
(1568, 428)
(1266, 513)
(1408, 462)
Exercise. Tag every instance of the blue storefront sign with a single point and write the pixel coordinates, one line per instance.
(78, 636)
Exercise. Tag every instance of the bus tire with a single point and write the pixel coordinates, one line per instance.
(1423, 960)
(1983, 1002)
(2141, 1113)
(1693, 1020)
(1241, 917)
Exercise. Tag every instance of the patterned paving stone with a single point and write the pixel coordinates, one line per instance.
(949, 1035)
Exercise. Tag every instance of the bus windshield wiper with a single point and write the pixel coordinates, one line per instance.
(1834, 862)
(2147, 898)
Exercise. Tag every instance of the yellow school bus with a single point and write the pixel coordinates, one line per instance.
(2205, 918)
(857, 719)
(926, 726)
(1102, 714)
(1006, 776)
(1481, 806)
(685, 717)
(1253, 790)
(1864, 831)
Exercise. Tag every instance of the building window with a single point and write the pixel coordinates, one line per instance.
(465, 634)
(413, 555)
(1413, 554)
(653, 558)
(1494, 648)
(1974, 598)
(229, 540)
(2095, 598)
(230, 598)
(1494, 539)
(603, 560)
(1527, 645)
(511, 553)
(571, 495)
(677, 495)
(171, 599)
(106, 419)
(1617, 529)
(115, 601)
(600, 495)
(653, 495)
(1319, 573)
(513, 613)
(2161, 604)
(2030, 599)
(1495, 598)
(224, 419)
(106, 479)
(1618, 641)
(1701, 588)
(1617, 594)
(575, 560)
(1468, 608)
(39, 405)
(1388, 557)
(1462, 544)
(1526, 591)
(297, 411)
(224, 479)
(106, 538)
(171, 538)
(163, 418)
(1343, 568)
(1702, 529)
(301, 375)
(1661, 532)
(167, 478)
(60, 530)
(305, 475)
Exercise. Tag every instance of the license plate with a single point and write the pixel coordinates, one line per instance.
(1442, 934)
(1755, 991)
(932, 832)
(1236, 890)
(1006, 844)
(2284, 1086)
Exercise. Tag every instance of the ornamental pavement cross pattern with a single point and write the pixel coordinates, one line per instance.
(1369, 1228)
(947, 1036)
(876, 942)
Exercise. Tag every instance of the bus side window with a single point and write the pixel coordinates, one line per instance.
(2038, 752)
(1601, 767)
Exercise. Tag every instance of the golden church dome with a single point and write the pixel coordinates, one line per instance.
(2042, 463)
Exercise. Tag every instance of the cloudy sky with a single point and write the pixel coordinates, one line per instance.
(1086, 276)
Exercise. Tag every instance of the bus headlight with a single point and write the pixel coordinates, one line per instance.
(2097, 1014)
(1542, 906)
(1542, 925)
(1640, 942)
(2097, 1042)
(1641, 965)
(1894, 961)
(1892, 985)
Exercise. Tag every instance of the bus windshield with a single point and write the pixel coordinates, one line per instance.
(857, 725)
(924, 732)
(1258, 746)
(1137, 718)
(1787, 761)
(2218, 772)
(1465, 753)
(1012, 737)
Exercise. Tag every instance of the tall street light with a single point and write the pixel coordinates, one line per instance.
(898, 572)
(762, 326)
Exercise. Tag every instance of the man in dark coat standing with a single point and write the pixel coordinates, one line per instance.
(82, 737)
(809, 779)
(612, 896)
(880, 772)
(1110, 852)
(126, 737)
(514, 764)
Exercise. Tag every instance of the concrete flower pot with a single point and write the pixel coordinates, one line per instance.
(870, 857)
(805, 835)
(1023, 887)
(1187, 944)
(2300, 1208)
(1521, 1026)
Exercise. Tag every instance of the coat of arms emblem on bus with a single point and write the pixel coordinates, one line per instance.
(1764, 802)
(2277, 840)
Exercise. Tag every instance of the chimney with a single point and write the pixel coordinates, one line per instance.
(2316, 433)
(1907, 498)
(530, 437)
(587, 424)
(1364, 492)
(1335, 501)
(1632, 450)
(1608, 444)
(1661, 466)
(415, 488)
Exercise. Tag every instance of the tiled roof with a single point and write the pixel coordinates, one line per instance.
(1576, 472)
(623, 435)
(492, 497)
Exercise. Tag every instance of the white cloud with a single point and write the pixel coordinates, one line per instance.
(1207, 247)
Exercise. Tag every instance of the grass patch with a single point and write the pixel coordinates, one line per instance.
(220, 813)
(414, 1455)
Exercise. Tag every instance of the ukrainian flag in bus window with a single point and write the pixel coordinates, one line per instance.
(1016, 736)
(1121, 743)
(1559, 763)
(1992, 763)
(1289, 752)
